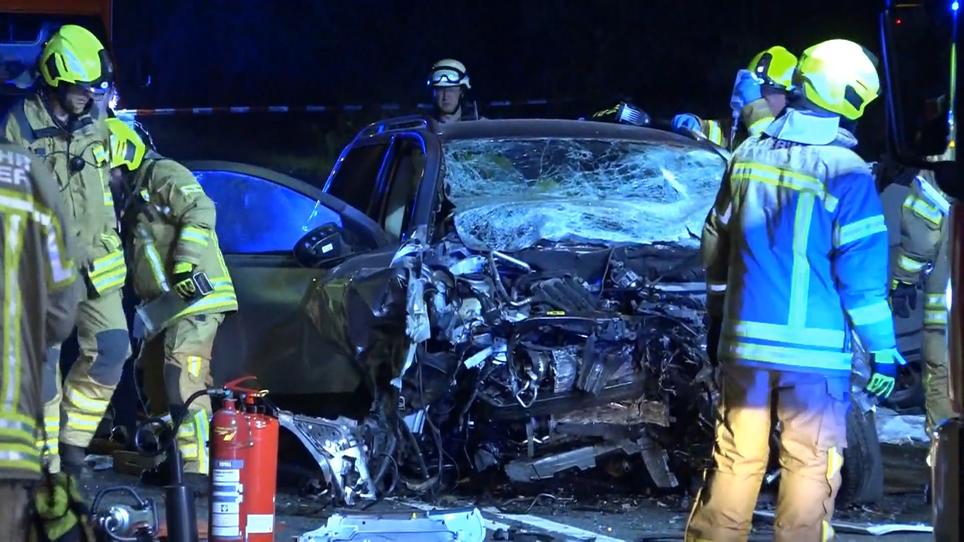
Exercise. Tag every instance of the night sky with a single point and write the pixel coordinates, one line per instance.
(668, 55)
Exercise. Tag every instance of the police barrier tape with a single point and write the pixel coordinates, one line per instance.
(349, 108)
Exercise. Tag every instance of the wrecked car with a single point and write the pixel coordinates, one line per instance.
(522, 296)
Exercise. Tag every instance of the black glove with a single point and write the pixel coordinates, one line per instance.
(183, 281)
(903, 298)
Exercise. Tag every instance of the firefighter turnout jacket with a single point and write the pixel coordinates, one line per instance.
(85, 191)
(796, 241)
(923, 250)
(172, 220)
(40, 295)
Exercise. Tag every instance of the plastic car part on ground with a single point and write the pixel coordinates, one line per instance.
(850, 527)
(463, 525)
(894, 428)
(337, 447)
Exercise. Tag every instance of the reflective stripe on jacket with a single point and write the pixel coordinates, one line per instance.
(797, 236)
(754, 117)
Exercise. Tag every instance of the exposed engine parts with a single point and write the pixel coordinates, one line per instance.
(536, 363)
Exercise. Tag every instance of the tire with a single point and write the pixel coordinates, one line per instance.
(909, 394)
(863, 468)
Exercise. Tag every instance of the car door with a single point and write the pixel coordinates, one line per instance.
(261, 214)
(405, 196)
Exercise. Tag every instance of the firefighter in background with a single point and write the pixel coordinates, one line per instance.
(169, 227)
(449, 82)
(61, 125)
(923, 252)
(40, 295)
(759, 95)
(795, 250)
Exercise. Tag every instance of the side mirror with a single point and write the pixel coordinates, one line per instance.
(322, 245)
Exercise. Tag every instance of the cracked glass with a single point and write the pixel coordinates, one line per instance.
(510, 194)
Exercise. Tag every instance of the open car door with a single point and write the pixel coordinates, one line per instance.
(261, 216)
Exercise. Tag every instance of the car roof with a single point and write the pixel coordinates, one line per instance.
(555, 128)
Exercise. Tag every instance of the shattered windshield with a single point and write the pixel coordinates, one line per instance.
(510, 194)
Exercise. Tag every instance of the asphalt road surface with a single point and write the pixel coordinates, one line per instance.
(591, 505)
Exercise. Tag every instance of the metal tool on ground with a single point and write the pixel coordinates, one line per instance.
(136, 521)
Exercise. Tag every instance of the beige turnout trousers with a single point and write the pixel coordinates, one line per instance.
(813, 412)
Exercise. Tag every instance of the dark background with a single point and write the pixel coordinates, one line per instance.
(666, 54)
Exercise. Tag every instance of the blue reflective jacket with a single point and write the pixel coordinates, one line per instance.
(797, 250)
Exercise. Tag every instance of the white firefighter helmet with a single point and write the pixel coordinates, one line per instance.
(449, 72)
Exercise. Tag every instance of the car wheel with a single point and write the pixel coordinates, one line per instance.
(863, 468)
(909, 393)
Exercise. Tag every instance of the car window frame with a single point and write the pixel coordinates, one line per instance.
(386, 183)
(353, 221)
(379, 177)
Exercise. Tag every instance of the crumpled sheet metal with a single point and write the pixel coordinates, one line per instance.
(461, 525)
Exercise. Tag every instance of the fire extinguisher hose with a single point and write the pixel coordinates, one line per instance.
(163, 435)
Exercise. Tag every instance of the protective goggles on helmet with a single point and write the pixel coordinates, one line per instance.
(447, 77)
(99, 90)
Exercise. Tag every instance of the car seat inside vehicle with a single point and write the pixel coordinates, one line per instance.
(405, 180)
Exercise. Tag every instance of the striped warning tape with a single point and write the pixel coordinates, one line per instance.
(349, 108)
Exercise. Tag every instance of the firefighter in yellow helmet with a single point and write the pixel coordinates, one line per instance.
(796, 256)
(40, 295)
(759, 95)
(61, 125)
(169, 229)
(449, 81)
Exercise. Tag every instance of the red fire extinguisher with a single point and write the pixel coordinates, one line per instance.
(258, 476)
(230, 441)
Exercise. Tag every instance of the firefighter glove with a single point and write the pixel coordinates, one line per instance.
(884, 377)
(183, 281)
(746, 89)
(903, 298)
(686, 122)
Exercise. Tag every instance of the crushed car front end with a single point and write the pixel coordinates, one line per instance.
(550, 316)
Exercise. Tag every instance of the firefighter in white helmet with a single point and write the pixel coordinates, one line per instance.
(796, 254)
(449, 82)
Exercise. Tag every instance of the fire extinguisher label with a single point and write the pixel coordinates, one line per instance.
(260, 523)
(226, 497)
(227, 476)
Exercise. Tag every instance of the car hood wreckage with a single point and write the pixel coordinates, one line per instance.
(534, 337)
(486, 360)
